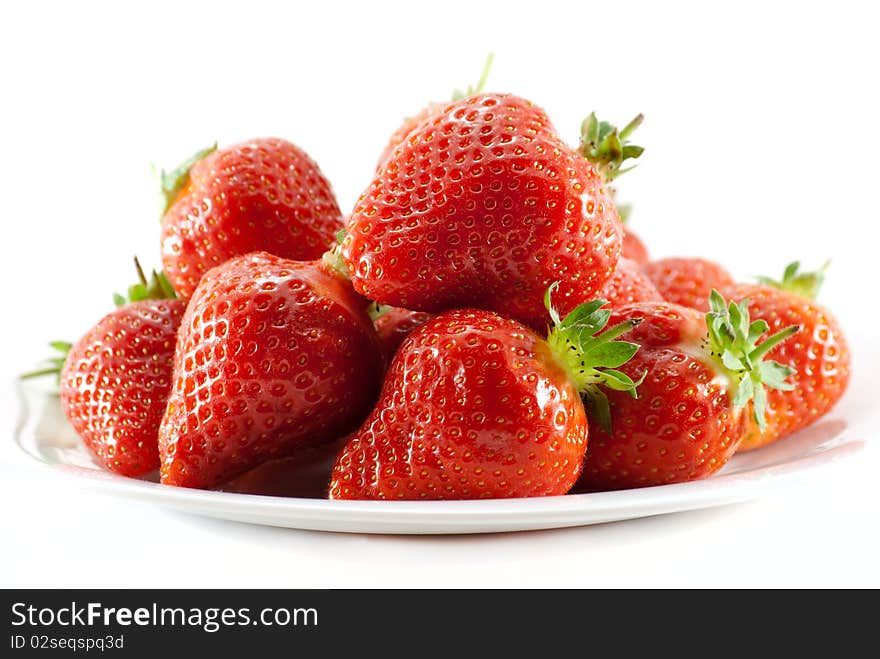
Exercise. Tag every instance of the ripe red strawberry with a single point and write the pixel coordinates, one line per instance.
(633, 247)
(690, 415)
(483, 205)
(266, 194)
(688, 281)
(413, 122)
(819, 355)
(628, 285)
(394, 324)
(114, 381)
(479, 406)
(273, 355)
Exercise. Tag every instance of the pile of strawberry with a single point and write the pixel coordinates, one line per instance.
(482, 325)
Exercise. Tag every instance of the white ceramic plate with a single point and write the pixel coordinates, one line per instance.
(45, 435)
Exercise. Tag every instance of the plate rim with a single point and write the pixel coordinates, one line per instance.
(429, 516)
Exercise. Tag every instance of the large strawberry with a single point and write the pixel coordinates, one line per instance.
(413, 122)
(114, 382)
(273, 355)
(819, 355)
(706, 380)
(266, 194)
(483, 205)
(628, 285)
(478, 406)
(687, 281)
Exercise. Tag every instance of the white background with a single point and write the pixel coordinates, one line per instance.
(762, 144)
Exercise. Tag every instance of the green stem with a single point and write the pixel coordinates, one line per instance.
(773, 341)
(457, 95)
(54, 364)
(157, 287)
(618, 330)
(485, 74)
(631, 126)
(140, 271)
(165, 286)
(38, 374)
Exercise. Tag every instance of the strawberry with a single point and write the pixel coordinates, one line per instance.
(690, 415)
(272, 356)
(819, 355)
(633, 247)
(413, 122)
(394, 324)
(114, 381)
(628, 285)
(483, 205)
(266, 194)
(478, 406)
(687, 281)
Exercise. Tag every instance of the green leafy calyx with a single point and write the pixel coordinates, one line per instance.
(52, 365)
(591, 354)
(607, 147)
(457, 95)
(733, 341)
(171, 183)
(805, 284)
(157, 287)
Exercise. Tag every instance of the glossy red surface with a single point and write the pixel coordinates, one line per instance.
(687, 281)
(473, 407)
(484, 206)
(682, 426)
(628, 285)
(116, 380)
(272, 355)
(266, 194)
